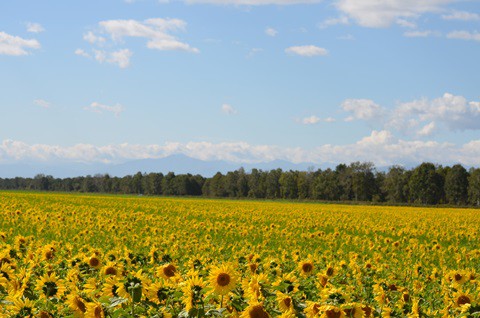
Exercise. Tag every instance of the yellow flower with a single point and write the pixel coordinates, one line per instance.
(306, 268)
(255, 310)
(77, 304)
(94, 310)
(193, 292)
(49, 286)
(285, 302)
(222, 279)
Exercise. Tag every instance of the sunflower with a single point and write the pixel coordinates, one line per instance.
(48, 252)
(253, 288)
(462, 299)
(49, 286)
(330, 271)
(6, 271)
(167, 271)
(44, 314)
(306, 268)
(460, 277)
(158, 293)
(111, 269)
(312, 310)
(255, 310)
(332, 312)
(353, 310)
(322, 281)
(193, 292)
(77, 304)
(111, 287)
(93, 261)
(21, 307)
(95, 310)
(285, 302)
(222, 279)
(133, 285)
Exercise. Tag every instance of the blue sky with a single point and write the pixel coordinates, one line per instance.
(240, 80)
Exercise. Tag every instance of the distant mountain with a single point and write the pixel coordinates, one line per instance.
(179, 164)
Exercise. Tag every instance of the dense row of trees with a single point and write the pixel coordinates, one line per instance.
(425, 184)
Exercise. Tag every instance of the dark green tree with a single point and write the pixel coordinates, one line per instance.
(456, 185)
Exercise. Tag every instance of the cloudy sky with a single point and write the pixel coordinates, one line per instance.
(393, 82)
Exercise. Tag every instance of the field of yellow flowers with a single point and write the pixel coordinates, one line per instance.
(110, 256)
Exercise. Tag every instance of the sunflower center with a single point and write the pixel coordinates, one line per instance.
(332, 313)
(458, 277)
(367, 310)
(223, 279)
(80, 305)
(98, 312)
(462, 300)
(49, 255)
(258, 312)
(94, 262)
(169, 270)
(330, 271)
(110, 271)
(5, 275)
(307, 267)
(287, 301)
(50, 289)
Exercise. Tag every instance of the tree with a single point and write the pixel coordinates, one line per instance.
(474, 186)
(395, 184)
(456, 185)
(326, 186)
(256, 184)
(288, 185)
(272, 184)
(426, 184)
(363, 180)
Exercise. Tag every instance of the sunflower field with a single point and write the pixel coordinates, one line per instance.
(64, 255)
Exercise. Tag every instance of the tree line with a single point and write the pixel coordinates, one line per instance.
(359, 181)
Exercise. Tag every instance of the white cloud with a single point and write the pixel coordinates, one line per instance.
(100, 108)
(15, 45)
(91, 38)
(381, 14)
(34, 27)
(420, 34)
(307, 50)
(271, 32)
(334, 21)
(364, 109)
(228, 109)
(310, 120)
(380, 147)
(42, 103)
(455, 112)
(427, 130)
(462, 16)
(406, 23)
(121, 57)
(330, 120)
(82, 53)
(464, 35)
(156, 31)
